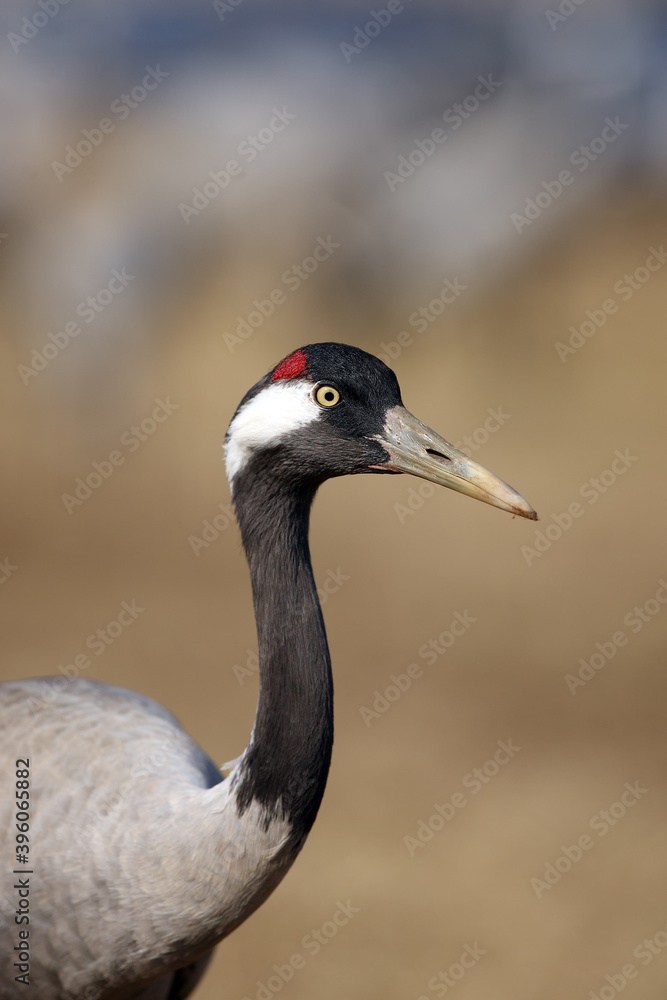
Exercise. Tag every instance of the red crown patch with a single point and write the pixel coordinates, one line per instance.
(293, 366)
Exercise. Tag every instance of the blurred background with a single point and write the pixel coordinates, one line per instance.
(484, 183)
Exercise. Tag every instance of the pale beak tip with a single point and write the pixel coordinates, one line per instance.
(523, 508)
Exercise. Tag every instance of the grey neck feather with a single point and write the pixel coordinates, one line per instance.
(255, 822)
(285, 766)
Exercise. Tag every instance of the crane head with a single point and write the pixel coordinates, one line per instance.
(331, 410)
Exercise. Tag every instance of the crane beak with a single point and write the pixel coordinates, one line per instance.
(415, 448)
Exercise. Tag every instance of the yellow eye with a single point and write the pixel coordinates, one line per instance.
(326, 395)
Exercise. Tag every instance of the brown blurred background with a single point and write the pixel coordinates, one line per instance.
(396, 574)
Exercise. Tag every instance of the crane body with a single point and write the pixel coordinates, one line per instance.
(145, 857)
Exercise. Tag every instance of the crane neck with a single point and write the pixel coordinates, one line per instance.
(285, 765)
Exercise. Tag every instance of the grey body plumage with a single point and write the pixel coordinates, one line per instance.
(140, 857)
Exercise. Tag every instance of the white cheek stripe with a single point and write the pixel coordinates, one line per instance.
(274, 412)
